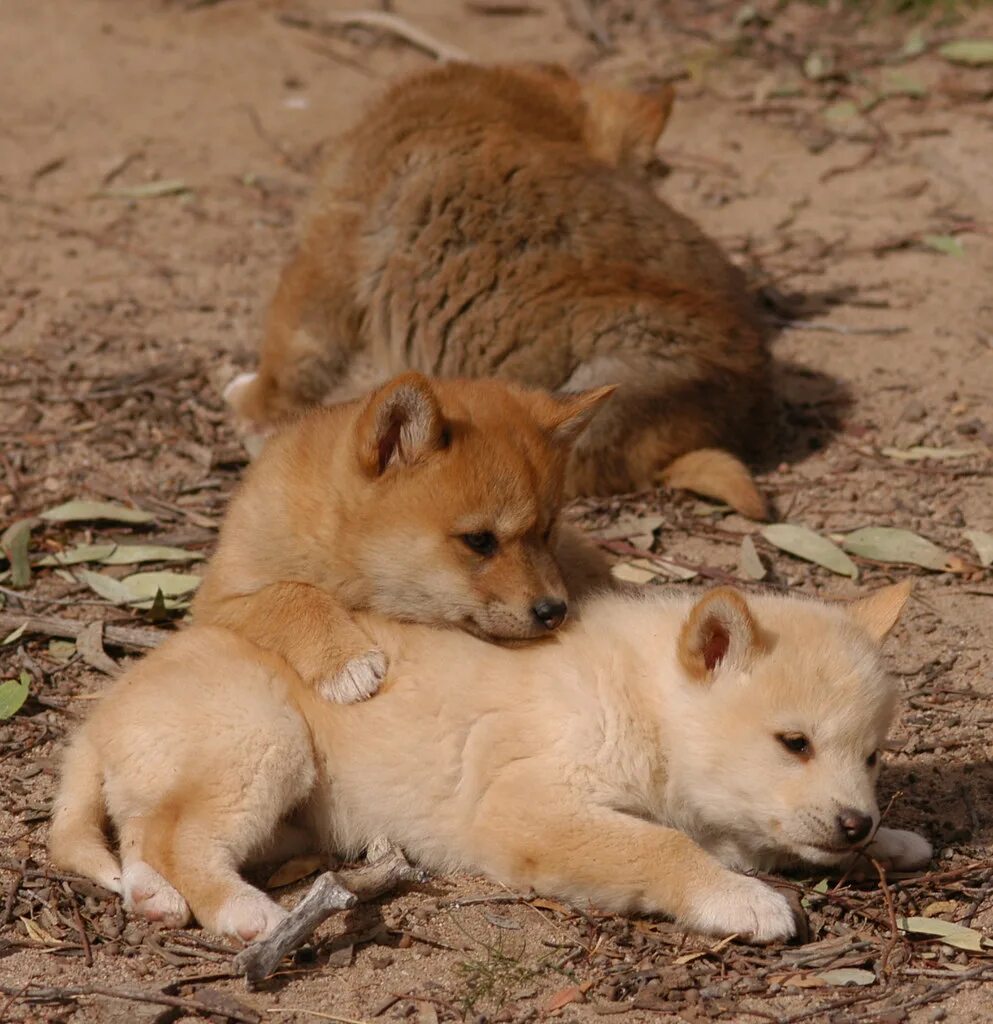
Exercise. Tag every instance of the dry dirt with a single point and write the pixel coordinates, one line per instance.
(120, 319)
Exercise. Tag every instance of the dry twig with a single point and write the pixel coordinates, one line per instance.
(329, 893)
(385, 22)
(130, 637)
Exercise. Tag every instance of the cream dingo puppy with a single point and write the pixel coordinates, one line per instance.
(639, 760)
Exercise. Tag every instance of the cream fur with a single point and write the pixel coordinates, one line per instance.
(595, 767)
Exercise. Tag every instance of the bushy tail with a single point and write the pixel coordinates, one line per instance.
(76, 839)
(715, 473)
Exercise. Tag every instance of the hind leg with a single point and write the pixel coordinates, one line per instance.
(146, 893)
(202, 862)
(199, 841)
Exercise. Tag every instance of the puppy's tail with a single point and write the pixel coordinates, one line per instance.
(76, 839)
(715, 473)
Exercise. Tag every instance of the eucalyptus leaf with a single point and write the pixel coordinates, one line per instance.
(78, 554)
(61, 650)
(847, 976)
(14, 543)
(96, 511)
(14, 634)
(121, 554)
(888, 544)
(915, 44)
(810, 546)
(107, 587)
(951, 934)
(973, 52)
(13, 694)
(983, 543)
(749, 564)
(628, 573)
(145, 585)
(948, 244)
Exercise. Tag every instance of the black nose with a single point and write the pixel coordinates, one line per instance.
(854, 825)
(550, 612)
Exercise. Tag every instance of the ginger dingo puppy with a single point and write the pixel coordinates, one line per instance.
(639, 761)
(493, 221)
(430, 501)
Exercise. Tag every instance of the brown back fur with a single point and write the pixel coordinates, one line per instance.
(492, 221)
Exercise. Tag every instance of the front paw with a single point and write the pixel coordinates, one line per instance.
(900, 850)
(744, 906)
(358, 679)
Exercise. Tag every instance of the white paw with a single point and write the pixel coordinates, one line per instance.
(237, 386)
(248, 916)
(901, 850)
(147, 894)
(358, 679)
(743, 906)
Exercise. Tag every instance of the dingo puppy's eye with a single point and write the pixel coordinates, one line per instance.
(872, 759)
(484, 544)
(796, 743)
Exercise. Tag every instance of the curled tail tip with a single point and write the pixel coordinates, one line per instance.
(715, 473)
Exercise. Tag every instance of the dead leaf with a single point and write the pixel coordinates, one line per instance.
(671, 569)
(106, 586)
(553, 905)
(749, 564)
(13, 694)
(810, 546)
(89, 643)
(951, 934)
(972, 52)
(803, 981)
(889, 544)
(983, 543)
(629, 573)
(939, 907)
(14, 634)
(120, 554)
(78, 554)
(148, 190)
(847, 976)
(14, 543)
(96, 511)
(294, 870)
(948, 244)
(145, 585)
(61, 650)
(631, 526)
(36, 932)
(565, 996)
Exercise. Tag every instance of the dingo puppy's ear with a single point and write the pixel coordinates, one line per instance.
(622, 126)
(401, 423)
(720, 630)
(877, 614)
(571, 413)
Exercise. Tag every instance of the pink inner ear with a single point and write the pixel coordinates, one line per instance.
(388, 443)
(716, 645)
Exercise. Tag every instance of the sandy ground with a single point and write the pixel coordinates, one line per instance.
(122, 315)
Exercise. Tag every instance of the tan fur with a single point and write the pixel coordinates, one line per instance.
(492, 221)
(364, 505)
(595, 768)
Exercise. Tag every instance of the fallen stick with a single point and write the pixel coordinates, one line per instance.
(331, 892)
(31, 993)
(131, 638)
(385, 22)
